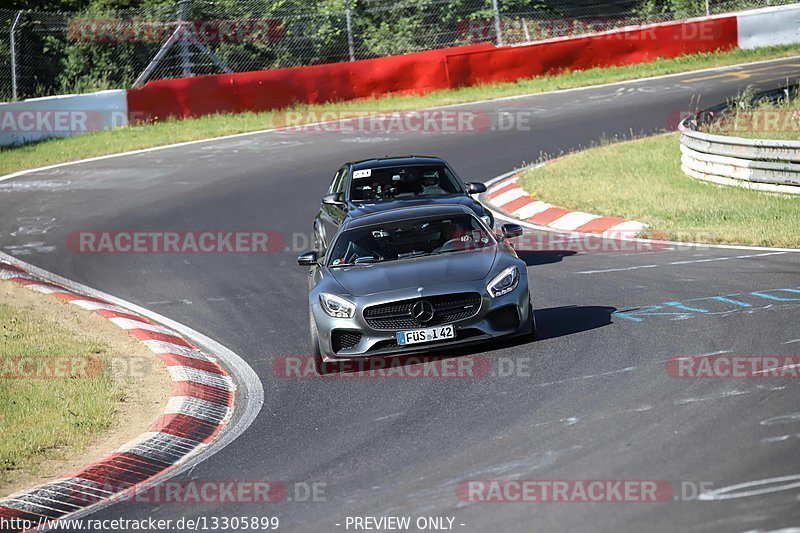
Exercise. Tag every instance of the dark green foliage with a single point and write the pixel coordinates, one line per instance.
(84, 45)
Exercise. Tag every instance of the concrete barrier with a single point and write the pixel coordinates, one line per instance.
(61, 116)
(770, 26)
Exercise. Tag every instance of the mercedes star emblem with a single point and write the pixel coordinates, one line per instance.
(422, 311)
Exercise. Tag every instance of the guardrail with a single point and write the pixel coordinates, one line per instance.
(758, 164)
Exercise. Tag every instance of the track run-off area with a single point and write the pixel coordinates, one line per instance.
(592, 399)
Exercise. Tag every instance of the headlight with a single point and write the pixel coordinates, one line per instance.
(336, 306)
(505, 282)
(487, 220)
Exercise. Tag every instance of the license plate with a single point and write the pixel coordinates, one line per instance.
(416, 336)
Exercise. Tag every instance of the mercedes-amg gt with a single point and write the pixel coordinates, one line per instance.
(413, 279)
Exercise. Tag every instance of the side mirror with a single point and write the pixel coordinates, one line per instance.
(334, 198)
(308, 259)
(474, 187)
(511, 230)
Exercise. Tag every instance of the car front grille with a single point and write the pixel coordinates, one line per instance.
(447, 309)
(344, 340)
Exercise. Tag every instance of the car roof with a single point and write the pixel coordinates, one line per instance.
(406, 213)
(392, 161)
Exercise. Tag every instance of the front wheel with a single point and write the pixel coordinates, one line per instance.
(532, 320)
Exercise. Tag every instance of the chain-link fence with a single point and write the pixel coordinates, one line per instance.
(55, 53)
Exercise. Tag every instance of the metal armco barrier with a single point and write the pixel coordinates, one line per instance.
(758, 164)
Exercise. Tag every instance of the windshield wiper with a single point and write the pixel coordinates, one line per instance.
(340, 265)
(420, 253)
(359, 262)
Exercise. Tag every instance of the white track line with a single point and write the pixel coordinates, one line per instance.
(674, 263)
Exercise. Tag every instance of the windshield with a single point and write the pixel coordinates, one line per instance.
(409, 181)
(409, 238)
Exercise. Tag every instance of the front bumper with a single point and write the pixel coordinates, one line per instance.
(508, 315)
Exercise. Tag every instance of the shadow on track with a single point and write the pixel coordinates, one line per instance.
(544, 258)
(552, 323)
(560, 321)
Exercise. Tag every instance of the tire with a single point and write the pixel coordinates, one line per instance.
(316, 353)
(532, 320)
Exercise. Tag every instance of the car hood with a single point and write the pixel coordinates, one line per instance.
(364, 208)
(454, 267)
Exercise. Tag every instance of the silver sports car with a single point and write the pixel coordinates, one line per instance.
(415, 279)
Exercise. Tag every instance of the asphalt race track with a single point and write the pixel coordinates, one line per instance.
(591, 400)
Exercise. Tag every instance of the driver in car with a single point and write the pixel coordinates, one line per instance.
(430, 184)
(454, 237)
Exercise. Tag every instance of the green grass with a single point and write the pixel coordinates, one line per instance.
(172, 131)
(766, 120)
(39, 417)
(642, 180)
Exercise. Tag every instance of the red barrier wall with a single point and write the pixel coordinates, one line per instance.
(423, 71)
(271, 89)
(579, 53)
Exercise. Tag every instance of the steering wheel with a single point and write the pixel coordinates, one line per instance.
(455, 244)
